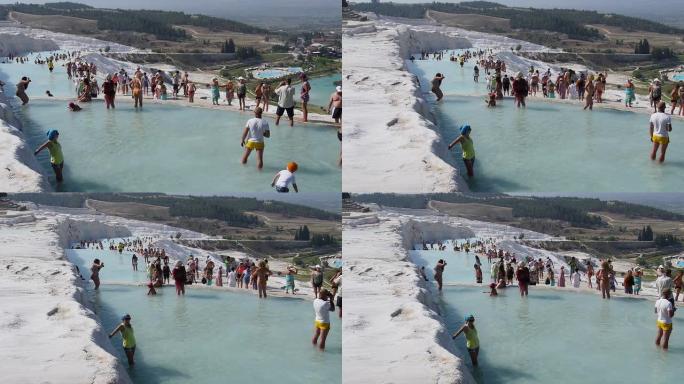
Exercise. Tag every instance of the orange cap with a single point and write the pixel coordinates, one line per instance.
(292, 166)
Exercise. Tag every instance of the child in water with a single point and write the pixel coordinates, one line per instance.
(215, 92)
(126, 330)
(492, 290)
(467, 148)
(192, 88)
(551, 89)
(491, 101)
(284, 178)
(478, 273)
(472, 341)
(56, 156)
(637, 281)
(290, 279)
(162, 91)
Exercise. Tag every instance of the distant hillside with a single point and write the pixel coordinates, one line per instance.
(567, 21)
(228, 209)
(662, 12)
(573, 210)
(159, 23)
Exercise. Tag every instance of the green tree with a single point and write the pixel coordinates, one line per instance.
(246, 53)
(665, 240)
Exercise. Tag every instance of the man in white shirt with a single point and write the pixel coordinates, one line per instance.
(659, 128)
(255, 131)
(322, 307)
(664, 282)
(665, 311)
(285, 101)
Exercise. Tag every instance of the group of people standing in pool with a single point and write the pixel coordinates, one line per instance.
(245, 273)
(239, 274)
(141, 84)
(568, 84)
(505, 269)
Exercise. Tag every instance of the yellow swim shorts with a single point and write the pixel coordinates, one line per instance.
(664, 326)
(255, 145)
(321, 325)
(660, 139)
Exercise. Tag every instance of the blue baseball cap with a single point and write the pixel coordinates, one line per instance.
(469, 317)
(51, 134)
(465, 128)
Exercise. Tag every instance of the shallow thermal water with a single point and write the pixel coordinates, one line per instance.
(41, 79)
(551, 336)
(177, 150)
(322, 88)
(549, 147)
(212, 336)
(165, 148)
(563, 337)
(276, 72)
(459, 267)
(118, 266)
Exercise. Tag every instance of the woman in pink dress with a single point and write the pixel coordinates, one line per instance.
(219, 281)
(561, 279)
(560, 85)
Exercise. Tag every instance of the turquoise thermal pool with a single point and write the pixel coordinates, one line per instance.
(459, 267)
(276, 72)
(548, 147)
(167, 148)
(211, 335)
(552, 336)
(322, 88)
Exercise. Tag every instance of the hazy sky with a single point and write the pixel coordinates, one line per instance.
(665, 11)
(575, 4)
